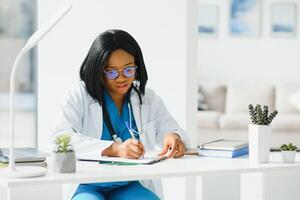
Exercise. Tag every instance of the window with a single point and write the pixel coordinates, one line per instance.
(17, 22)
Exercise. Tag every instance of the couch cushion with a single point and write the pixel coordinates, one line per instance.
(208, 119)
(238, 97)
(286, 122)
(234, 121)
(214, 95)
(283, 92)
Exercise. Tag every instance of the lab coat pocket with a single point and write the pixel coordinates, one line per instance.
(151, 132)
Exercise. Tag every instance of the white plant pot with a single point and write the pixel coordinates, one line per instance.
(64, 162)
(259, 143)
(288, 156)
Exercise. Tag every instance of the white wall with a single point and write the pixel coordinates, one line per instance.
(264, 59)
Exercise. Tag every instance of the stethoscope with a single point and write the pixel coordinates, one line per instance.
(108, 122)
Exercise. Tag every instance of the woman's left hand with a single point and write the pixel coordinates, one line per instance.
(174, 145)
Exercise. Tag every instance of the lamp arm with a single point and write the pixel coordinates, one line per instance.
(27, 171)
(32, 41)
(12, 106)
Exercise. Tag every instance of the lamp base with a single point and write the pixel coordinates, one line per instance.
(24, 172)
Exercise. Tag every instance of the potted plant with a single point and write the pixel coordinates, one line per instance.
(288, 152)
(64, 155)
(260, 133)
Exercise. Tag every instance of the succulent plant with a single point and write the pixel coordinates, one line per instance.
(261, 116)
(288, 147)
(63, 144)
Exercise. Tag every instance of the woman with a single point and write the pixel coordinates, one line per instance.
(110, 112)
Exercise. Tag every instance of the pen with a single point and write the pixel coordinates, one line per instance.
(130, 131)
(131, 134)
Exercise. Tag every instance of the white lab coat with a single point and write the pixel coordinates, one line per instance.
(81, 116)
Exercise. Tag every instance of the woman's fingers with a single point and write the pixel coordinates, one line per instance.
(181, 150)
(178, 149)
(164, 150)
(133, 154)
(137, 143)
(136, 148)
(173, 149)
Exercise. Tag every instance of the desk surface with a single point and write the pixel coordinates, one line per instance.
(88, 172)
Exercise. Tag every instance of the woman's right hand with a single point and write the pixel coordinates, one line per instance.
(130, 148)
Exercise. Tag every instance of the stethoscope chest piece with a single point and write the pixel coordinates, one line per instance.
(117, 139)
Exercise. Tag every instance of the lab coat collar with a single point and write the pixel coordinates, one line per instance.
(96, 114)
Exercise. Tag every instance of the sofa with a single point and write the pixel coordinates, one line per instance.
(223, 111)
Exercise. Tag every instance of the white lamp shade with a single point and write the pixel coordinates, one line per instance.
(41, 32)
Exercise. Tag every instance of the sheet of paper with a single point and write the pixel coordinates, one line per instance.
(149, 158)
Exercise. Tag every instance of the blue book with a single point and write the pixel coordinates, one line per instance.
(223, 153)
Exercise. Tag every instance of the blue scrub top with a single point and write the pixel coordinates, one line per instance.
(118, 121)
(119, 125)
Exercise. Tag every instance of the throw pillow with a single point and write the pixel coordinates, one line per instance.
(202, 104)
(214, 94)
(283, 91)
(239, 96)
(294, 99)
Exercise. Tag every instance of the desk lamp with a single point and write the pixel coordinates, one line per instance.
(28, 171)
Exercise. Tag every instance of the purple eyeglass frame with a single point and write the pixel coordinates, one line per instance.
(117, 73)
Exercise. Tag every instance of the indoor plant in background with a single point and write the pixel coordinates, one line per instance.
(260, 133)
(288, 152)
(64, 160)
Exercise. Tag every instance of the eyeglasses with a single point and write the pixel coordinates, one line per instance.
(128, 72)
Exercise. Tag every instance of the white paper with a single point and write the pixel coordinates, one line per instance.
(149, 158)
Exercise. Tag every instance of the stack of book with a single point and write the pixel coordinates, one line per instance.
(224, 148)
(24, 157)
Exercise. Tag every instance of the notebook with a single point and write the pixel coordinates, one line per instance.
(147, 160)
(37, 164)
(224, 144)
(26, 154)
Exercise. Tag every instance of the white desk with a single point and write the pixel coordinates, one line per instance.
(220, 177)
